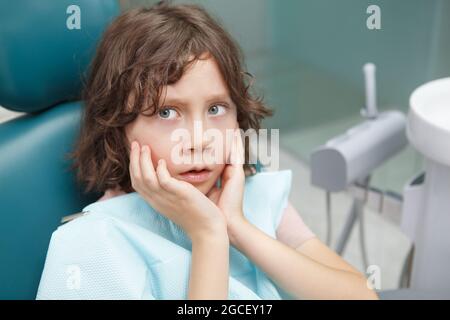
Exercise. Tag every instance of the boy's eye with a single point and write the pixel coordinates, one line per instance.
(167, 113)
(216, 109)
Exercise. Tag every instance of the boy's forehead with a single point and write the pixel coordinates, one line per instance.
(202, 79)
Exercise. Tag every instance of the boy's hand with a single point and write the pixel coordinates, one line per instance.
(178, 200)
(229, 198)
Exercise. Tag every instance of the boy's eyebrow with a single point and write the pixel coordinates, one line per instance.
(211, 98)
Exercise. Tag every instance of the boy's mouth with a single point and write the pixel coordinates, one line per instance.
(196, 175)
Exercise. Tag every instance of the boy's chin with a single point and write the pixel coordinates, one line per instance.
(204, 187)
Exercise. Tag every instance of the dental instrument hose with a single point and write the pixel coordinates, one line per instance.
(371, 113)
(328, 219)
(360, 211)
(362, 240)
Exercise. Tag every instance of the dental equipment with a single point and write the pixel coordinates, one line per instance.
(349, 159)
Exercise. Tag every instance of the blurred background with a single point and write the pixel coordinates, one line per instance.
(307, 58)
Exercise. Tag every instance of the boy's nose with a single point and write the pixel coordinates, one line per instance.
(198, 139)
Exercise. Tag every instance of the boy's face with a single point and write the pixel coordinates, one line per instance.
(199, 101)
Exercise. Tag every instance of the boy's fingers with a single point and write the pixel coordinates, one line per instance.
(240, 149)
(146, 167)
(214, 194)
(237, 150)
(166, 181)
(135, 171)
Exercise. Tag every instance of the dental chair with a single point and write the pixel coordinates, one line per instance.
(43, 59)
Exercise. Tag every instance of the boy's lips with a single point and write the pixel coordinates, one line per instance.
(196, 175)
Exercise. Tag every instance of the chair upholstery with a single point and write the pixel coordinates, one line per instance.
(42, 63)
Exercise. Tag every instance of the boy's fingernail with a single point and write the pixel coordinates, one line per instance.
(133, 145)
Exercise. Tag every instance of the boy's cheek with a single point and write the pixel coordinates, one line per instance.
(158, 153)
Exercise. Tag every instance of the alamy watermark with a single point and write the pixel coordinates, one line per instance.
(73, 280)
(73, 21)
(373, 277)
(373, 22)
(213, 145)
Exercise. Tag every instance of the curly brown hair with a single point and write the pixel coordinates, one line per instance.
(141, 51)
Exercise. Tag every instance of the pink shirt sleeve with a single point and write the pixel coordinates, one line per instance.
(292, 230)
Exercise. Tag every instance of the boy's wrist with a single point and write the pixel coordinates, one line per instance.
(216, 236)
(235, 227)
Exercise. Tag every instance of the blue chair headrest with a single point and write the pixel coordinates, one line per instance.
(43, 54)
